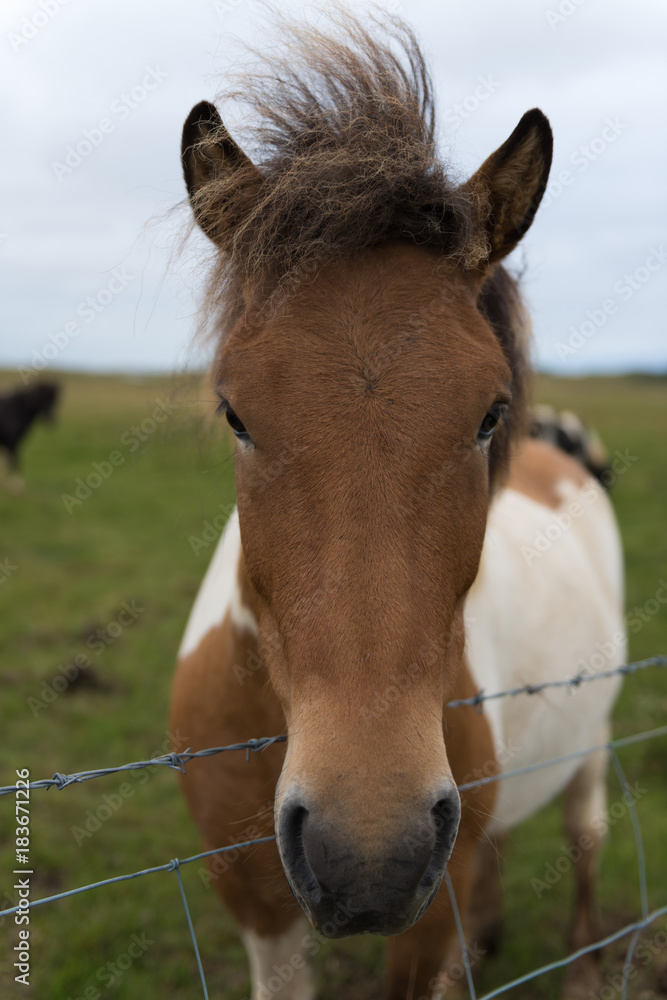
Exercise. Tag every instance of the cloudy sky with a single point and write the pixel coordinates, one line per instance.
(94, 94)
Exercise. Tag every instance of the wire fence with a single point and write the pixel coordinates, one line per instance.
(178, 761)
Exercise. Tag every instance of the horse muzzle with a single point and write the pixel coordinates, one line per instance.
(346, 888)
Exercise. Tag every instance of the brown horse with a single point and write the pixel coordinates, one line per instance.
(385, 558)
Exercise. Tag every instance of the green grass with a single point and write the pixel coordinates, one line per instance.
(128, 542)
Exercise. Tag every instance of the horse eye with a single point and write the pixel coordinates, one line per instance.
(235, 423)
(488, 425)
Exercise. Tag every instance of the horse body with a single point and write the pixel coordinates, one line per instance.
(517, 627)
(517, 633)
(19, 408)
(372, 363)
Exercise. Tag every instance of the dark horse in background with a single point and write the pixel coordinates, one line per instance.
(19, 408)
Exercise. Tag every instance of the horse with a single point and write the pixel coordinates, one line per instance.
(569, 433)
(384, 558)
(19, 408)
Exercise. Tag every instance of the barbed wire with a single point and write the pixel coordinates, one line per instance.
(571, 682)
(612, 746)
(177, 761)
(169, 866)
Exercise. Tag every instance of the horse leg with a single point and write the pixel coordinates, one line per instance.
(15, 481)
(278, 940)
(483, 926)
(486, 901)
(279, 965)
(585, 806)
(251, 883)
(231, 800)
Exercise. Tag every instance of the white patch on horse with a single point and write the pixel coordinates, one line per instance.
(219, 592)
(279, 965)
(547, 620)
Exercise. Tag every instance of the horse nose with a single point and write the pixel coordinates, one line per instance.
(346, 890)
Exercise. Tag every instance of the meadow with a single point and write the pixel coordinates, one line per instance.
(108, 572)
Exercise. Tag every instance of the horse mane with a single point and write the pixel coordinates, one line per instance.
(344, 141)
(501, 304)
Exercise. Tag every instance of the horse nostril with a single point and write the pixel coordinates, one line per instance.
(292, 851)
(447, 811)
(291, 820)
(446, 816)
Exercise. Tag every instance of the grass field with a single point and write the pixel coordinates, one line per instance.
(111, 576)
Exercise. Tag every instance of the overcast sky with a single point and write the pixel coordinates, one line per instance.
(90, 279)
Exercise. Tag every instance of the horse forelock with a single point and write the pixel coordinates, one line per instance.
(345, 135)
(345, 138)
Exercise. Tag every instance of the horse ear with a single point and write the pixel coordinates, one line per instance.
(208, 155)
(512, 182)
